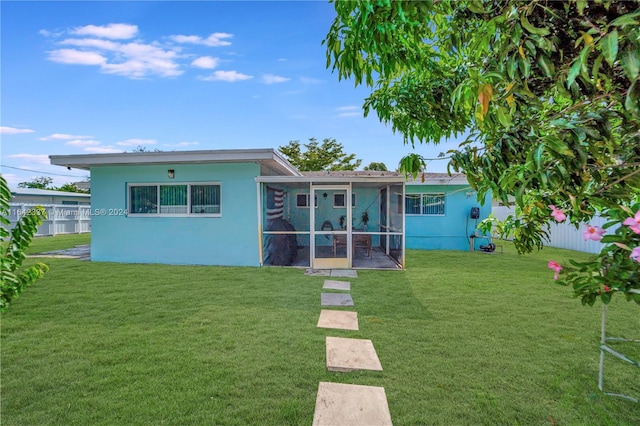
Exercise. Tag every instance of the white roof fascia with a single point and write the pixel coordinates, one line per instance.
(87, 161)
(48, 193)
(329, 179)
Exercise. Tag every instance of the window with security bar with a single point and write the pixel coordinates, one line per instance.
(425, 204)
(185, 199)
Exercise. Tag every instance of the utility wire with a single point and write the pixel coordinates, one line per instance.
(44, 173)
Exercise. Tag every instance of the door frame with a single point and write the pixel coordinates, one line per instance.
(331, 262)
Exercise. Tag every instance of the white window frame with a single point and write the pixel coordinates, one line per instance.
(353, 200)
(422, 196)
(306, 206)
(158, 213)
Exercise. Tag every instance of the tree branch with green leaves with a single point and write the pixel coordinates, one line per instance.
(549, 93)
(14, 279)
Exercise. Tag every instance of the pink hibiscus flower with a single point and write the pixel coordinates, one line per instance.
(556, 267)
(633, 222)
(594, 233)
(635, 254)
(557, 214)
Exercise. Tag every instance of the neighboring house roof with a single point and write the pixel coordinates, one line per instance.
(271, 161)
(48, 193)
(429, 178)
(86, 185)
(438, 179)
(351, 173)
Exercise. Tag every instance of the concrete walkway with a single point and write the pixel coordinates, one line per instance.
(347, 404)
(82, 252)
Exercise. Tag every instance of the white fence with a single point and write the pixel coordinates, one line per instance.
(563, 235)
(61, 218)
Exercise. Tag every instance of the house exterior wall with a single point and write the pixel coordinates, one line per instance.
(450, 231)
(366, 198)
(227, 240)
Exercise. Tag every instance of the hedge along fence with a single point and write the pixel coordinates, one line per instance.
(61, 218)
(564, 235)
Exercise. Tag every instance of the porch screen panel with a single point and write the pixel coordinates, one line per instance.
(143, 199)
(205, 199)
(173, 199)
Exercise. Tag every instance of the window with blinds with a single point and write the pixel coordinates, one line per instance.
(185, 199)
(427, 204)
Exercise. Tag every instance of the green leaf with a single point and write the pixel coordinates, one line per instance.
(533, 30)
(546, 65)
(631, 64)
(573, 73)
(631, 101)
(628, 19)
(476, 7)
(504, 117)
(609, 46)
(525, 67)
(581, 4)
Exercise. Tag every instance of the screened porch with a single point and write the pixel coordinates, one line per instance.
(330, 222)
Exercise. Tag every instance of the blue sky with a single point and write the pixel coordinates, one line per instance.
(96, 77)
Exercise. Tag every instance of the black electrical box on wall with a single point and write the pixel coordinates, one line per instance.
(475, 213)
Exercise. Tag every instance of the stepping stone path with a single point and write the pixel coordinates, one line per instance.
(343, 320)
(336, 285)
(347, 404)
(335, 299)
(340, 404)
(346, 355)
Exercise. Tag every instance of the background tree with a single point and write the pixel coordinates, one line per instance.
(71, 187)
(13, 279)
(141, 148)
(381, 167)
(329, 155)
(41, 182)
(549, 92)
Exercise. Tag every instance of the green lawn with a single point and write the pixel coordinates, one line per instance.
(464, 338)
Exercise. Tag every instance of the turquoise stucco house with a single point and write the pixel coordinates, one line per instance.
(251, 207)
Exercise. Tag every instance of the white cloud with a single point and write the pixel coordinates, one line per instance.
(32, 158)
(229, 76)
(182, 144)
(214, 40)
(4, 130)
(309, 80)
(82, 143)
(282, 59)
(349, 111)
(112, 31)
(273, 79)
(107, 149)
(92, 42)
(107, 48)
(206, 62)
(133, 60)
(77, 57)
(63, 137)
(136, 142)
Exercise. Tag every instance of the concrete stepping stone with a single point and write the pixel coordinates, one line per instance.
(346, 355)
(344, 273)
(336, 285)
(336, 299)
(343, 320)
(318, 272)
(342, 404)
